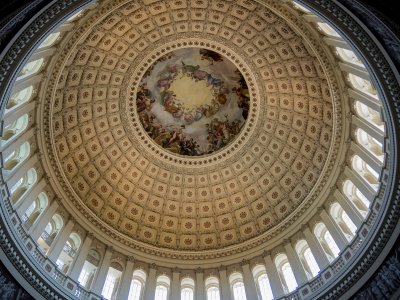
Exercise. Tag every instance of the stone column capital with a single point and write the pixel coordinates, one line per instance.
(222, 268)
(244, 262)
(304, 227)
(266, 253)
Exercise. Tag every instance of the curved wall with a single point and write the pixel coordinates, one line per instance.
(377, 237)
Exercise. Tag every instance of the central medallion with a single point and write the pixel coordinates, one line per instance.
(193, 101)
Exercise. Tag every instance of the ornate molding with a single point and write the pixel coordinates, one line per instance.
(389, 88)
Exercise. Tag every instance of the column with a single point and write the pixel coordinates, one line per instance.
(360, 183)
(42, 53)
(151, 282)
(354, 69)
(123, 291)
(65, 27)
(8, 148)
(22, 205)
(26, 82)
(21, 172)
(334, 230)
(102, 273)
(367, 156)
(176, 285)
(57, 246)
(373, 131)
(36, 231)
(199, 287)
(225, 287)
(77, 266)
(20, 111)
(336, 42)
(349, 208)
(248, 280)
(366, 99)
(316, 248)
(313, 18)
(273, 277)
(295, 264)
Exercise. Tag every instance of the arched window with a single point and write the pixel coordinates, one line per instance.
(69, 251)
(348, 56)
(15, 128)
(17, 156)
(307, 259)
(363, 85)
(50, 232)
(20, 97)
(285, 273)
(237, 286)
(113, 279)
(370, 115)
(187, 289)
(162, 287)
(24, 184)
(49, 40)
(327, 29)
(212, 288)
(30, 68)
(35, 210)
(369, 143)
(89, 269)
(362, 168)
(187, 294)
(262, 282)
(356, 197)
(136, 288)
(344, 222)
(327, 242)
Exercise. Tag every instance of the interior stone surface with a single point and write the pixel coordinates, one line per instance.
(139, 186)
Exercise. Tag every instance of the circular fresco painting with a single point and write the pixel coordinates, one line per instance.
(193, 101)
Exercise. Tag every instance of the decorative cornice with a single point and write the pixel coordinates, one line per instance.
(391, 198)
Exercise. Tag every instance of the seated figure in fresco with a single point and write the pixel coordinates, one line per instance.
(149, 124)
(216, 134)
(233, 129)
(169, 72)
(244, 104)
(144, 100)
(189, 147)
(199, 75)
(188, 117)
(210, 110)
(211, 56)
(164, 83)
(213, 81)
(199, 113)
(170, 140)
(221, 98)
(170, 106)
(189, 69)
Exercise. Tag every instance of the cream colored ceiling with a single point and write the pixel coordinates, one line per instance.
(107, 165)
